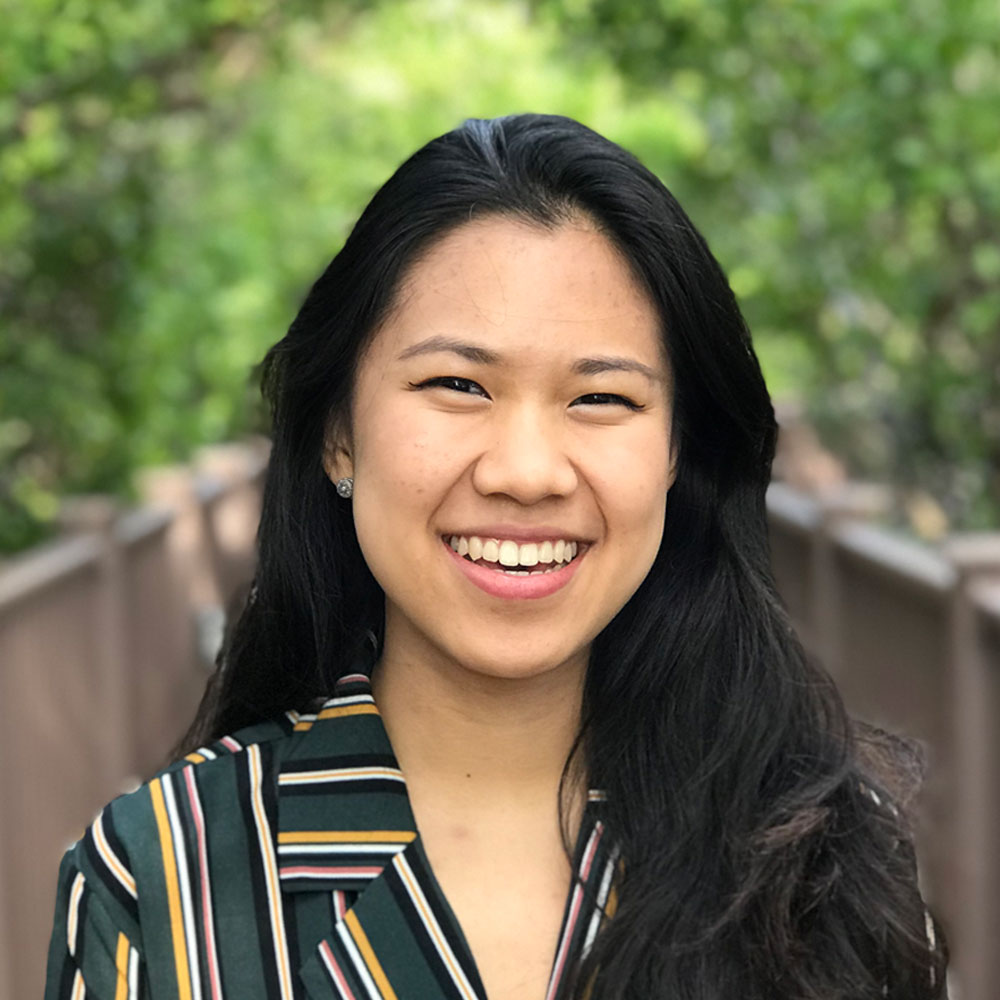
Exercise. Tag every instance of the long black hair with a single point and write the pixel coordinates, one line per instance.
(761, 859)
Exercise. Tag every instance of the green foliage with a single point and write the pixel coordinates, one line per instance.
(173, 176)
(850, 181)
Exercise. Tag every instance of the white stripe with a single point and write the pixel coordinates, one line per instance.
(202, 832)
(434, 931)
(206, 753)
(602, 896)
(365, 848)
(133, 974)
(114, 864)
(187, 903)
(340, 774)
(349, 699)
(73, 917)
(320, 876)
(79, 989)
(271, 880)
(357, 961)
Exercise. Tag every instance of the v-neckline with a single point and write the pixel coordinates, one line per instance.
(588, 836)
(395, 925)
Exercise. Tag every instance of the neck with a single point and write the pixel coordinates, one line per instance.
(474, 735)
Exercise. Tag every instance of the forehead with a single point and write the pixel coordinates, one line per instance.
(519, 288)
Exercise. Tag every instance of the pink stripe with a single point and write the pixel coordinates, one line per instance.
(588, 857)
(574, 913)
(228, 741)
(338, 977)
(339, 903)
(291, 871)
(352, 678)
(206, 893)
(564, 943)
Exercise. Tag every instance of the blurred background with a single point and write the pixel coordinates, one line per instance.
(173, 176)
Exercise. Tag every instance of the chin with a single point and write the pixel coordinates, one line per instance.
(504, 662)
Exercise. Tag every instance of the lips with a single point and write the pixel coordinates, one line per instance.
(501, 583)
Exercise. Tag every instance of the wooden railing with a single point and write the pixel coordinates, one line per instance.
(106, 635)
(912, 636)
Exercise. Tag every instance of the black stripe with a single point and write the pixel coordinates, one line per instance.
(443, 914)
(384, 786)
(111, 835)
(341, 859)
(255, 865)
(106, 876)
(66, 976)
(346, 689)
(341, 760)
(294, 946)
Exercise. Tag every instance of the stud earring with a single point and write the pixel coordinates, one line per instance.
(345, 488)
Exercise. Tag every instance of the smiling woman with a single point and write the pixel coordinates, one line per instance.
(513, 709)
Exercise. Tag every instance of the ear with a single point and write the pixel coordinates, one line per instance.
(338, 460)
(674, 460)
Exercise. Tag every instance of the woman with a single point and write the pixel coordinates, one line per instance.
(515, 501)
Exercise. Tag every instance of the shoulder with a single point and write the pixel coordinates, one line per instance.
(129, 839)
(122, 885)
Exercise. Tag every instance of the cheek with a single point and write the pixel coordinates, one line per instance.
(403, 471)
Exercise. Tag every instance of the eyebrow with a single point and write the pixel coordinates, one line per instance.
(484, 356)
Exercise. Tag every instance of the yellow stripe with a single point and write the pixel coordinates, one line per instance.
(338, 711)
(121, 964)
(306, 777)
(346, 836)
(611, 906)
(79, 989)
(195, 758)
(173, 891)
(73, 919)
(368, 954)
(111, 860)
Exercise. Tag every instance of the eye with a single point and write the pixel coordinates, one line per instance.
(452, 382)
(603, 398)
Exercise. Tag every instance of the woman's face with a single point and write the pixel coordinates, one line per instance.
(492, 412)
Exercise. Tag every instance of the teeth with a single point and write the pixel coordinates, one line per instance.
(508, 553)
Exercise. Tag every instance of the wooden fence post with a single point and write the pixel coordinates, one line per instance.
(976, 559)
(97, 515)
(846, 501)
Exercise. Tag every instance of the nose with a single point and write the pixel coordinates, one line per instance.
(526, 458)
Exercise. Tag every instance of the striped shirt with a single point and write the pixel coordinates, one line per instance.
(283, 862)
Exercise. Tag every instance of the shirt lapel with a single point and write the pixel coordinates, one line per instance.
(345, 827)
(343, 810)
